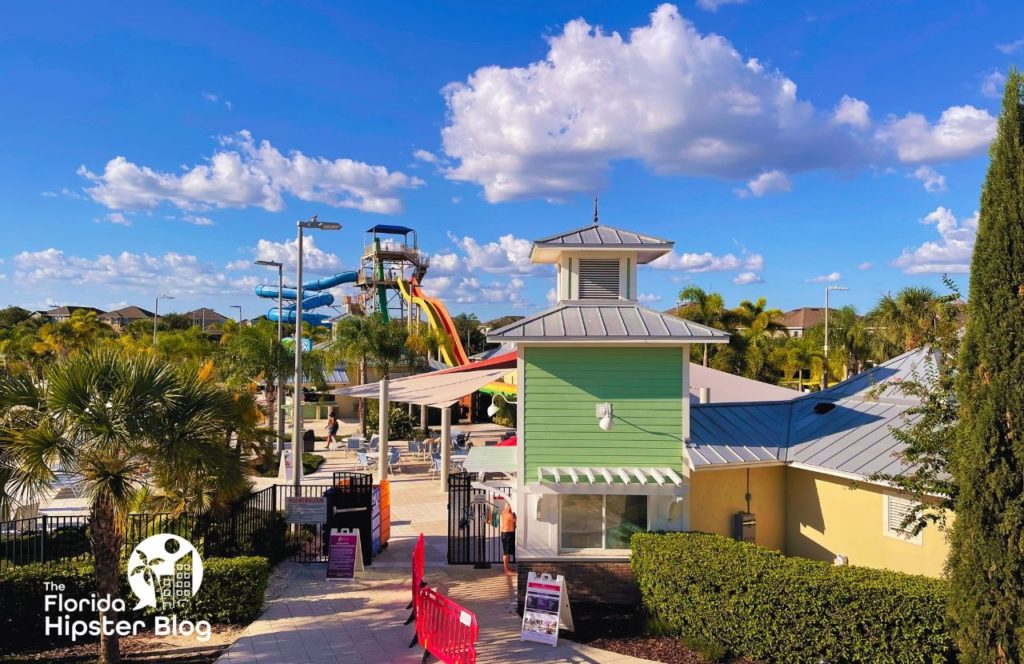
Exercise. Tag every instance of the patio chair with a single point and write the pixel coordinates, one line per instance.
(415, 446)
(374, 442)
(362, 463)
(394, 460)
(355, 443)
(435, 465)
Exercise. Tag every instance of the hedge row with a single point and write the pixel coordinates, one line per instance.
(231, 593)
(763, 605)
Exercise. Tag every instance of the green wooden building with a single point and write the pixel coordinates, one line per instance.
(603, 407)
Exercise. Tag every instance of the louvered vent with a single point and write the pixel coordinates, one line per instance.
(599, 279)
(898, 510)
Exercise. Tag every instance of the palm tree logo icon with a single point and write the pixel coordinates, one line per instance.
(156, 558)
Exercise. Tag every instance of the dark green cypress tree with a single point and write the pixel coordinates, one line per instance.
(986, 564)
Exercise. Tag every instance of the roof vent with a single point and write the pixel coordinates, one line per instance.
(823, 407)
(599, 279)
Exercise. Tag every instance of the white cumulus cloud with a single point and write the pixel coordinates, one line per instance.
(993, 83)
(242, 173)
(865, 266)
(1010, 47)
(708, 262)
(508, 255)
(770, 182)
(962, 131)
(678, 101)
(180, 273)
(853, 112)
(314, 259)
(744, 278)
(829, 278)
(952, 253)
(933, 181)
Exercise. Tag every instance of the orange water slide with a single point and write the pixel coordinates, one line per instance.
(439, 319)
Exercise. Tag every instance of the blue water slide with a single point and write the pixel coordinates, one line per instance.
(310, 302)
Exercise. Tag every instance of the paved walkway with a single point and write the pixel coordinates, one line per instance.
(315, 621)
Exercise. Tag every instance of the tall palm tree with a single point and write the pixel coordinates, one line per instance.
(120, 425)
(759, 335)
(253, 354)
(705, 308)
(905, 321)
(367, 340)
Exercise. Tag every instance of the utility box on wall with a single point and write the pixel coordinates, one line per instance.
(744, 527)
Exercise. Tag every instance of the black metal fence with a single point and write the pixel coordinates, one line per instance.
(474, 536)
(306, 538)
(252, 526)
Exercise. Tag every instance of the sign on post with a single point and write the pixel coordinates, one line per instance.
(547, 607)
(308, 509)
(344, 554)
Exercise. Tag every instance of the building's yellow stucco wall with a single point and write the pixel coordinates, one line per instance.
(716, 496)
(825, 517)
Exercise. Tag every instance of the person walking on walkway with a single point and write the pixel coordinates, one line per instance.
(508, 536)
(332, 430)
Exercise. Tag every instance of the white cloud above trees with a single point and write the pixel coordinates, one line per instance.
(950, 254)
(242, 173)
(676, 100)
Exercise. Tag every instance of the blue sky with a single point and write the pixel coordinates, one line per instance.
(159, 148)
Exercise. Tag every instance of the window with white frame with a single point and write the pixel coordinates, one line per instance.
(894, 510)
(597, 522)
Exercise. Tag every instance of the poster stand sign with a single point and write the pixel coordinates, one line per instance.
(344, 554)
(546, 609)
(285, 471)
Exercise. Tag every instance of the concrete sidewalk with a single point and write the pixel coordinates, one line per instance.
(316, 621)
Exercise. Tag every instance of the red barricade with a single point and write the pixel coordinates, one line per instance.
(445, 629)
(417, 576)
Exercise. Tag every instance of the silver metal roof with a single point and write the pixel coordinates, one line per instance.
(600, 235)
(605, 320)
(847, 429)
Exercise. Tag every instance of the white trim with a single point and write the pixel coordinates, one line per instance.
(746, 464)
(828, 471)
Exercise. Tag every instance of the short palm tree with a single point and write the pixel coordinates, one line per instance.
(368, 340)
(705, 308)
(121, 426)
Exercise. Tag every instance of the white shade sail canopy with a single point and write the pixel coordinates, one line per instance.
(438, 390)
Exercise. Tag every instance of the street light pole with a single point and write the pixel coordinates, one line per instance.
(239, 307)
(156, 314)
(280, 333)
(824, 373)
(297, 398)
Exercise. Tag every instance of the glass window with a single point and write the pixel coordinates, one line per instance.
(624, 515)
(581, 522)
(601, 522)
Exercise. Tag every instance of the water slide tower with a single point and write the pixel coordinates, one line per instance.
(388, 256)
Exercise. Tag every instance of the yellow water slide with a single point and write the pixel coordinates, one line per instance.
(438, 318)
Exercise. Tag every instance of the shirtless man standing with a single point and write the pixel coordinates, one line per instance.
(508, 536)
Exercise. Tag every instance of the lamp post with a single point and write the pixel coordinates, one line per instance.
(824, 373)
(239, 307)
(156, 314)
(297, 399)
(280, 323)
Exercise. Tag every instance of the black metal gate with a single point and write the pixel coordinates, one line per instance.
(350, 505)
(305, 538)
(474, 537)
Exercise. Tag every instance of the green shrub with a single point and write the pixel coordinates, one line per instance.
(231, 593)
(763, 605)
(62, 542)
(400, 425)
(708, 649)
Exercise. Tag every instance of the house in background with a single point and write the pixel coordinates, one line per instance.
(798, 321)
(205, 318)
(119, 319)
(58, 314)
